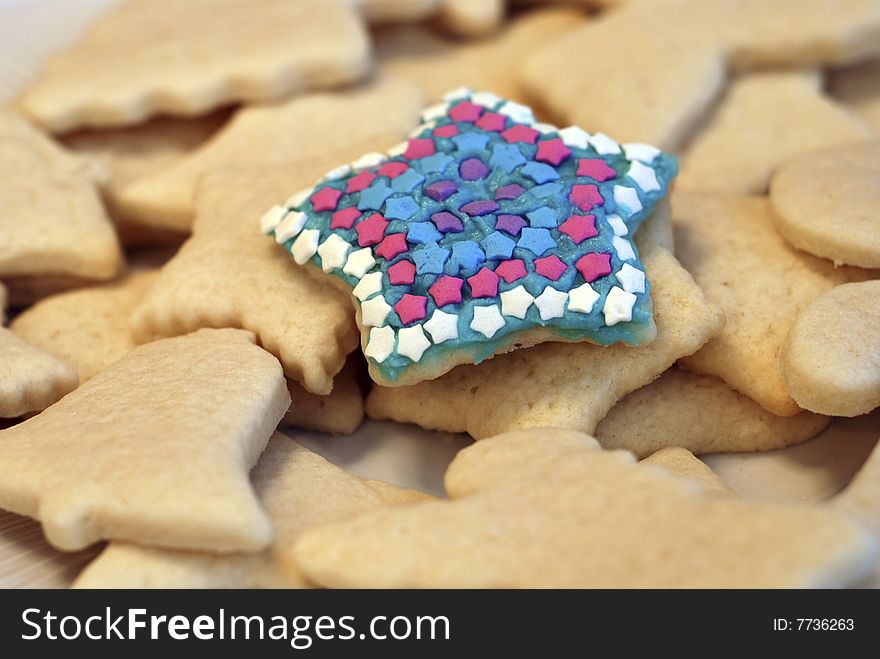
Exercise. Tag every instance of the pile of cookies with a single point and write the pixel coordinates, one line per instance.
(597, 246)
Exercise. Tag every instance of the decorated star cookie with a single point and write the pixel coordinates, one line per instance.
(484, 230)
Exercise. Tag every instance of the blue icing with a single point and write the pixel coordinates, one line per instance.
(462, 254)
(546, 190)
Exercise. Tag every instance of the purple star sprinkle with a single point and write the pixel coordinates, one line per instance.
(446, 222)
(510, 224)
(511, 191)
(473, 169)
(479, 207)
(441, 190)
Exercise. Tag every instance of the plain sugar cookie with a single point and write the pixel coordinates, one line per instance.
(831, 358)
(827, 203)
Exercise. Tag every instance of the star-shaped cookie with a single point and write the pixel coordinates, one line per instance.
(483, 232)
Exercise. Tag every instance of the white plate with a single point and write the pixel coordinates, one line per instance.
(404, 455)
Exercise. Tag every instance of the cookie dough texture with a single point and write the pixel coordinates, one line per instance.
(764, 120)
(684, 464)
(155, 449)
(831, 357)
(88, 328)
(298, 490)
(827, 202)
(30, 379)
(702, 414)
(194, 56)
(51, 217)
(547, 508)
(731, 247)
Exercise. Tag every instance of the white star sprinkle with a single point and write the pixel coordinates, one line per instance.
(338, 173)
(627, 199)
(305, 246)
(271, 218)
(290, 226)
(298, 198)
(582, 299)
(617, 225)
(368, 285)
(623, 248)
(359, 262)
(575, 137)
(545, 128)
(632, 279)
(486, 99)
(638, 151)
(487, 320)
(603, 144)
(434, 112)
(332, 252)
(518, 112)
(618, 306)
(397, 150)
(551, 303)
(644, 176)
(380, 345)
(418, 130)
(457, 93)
(374, 312)
(442, 326)
(516, 302)
(412, 342)
(368, 160)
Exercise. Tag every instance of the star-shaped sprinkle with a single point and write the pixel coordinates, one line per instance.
(551, 303)
(516, 302)
(442, 326)
(412, 342)
(487, 320)
(375, 311)
(333, 252)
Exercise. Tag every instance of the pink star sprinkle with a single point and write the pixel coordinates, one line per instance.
(593, 266)
(579, 228)
(446, 290)
(326, 199)
(511, 270)
(484, 284)
(393, 169)
(466, 111)
(449, 130)
(391, 246)
(551, 267)
(402, 272)
(552, 151)
(411, 308)
(345, 218)
(520, 133)
(491, 121)
(585, 196)
(371, 230)
(359, 182)
(419, 148)
(596, 169)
